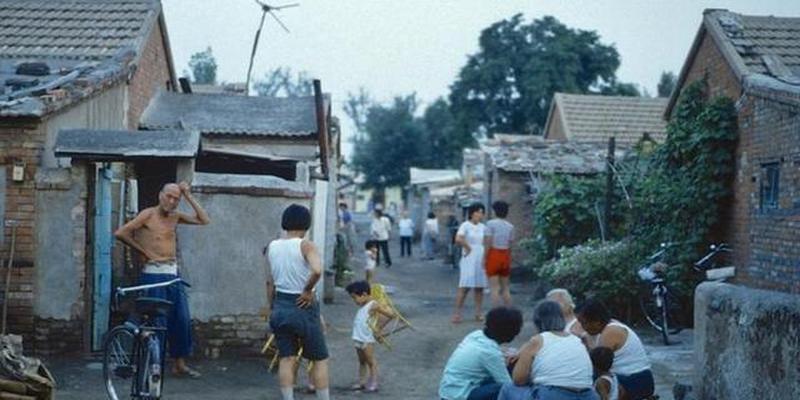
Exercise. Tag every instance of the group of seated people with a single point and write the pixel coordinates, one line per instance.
(576, 354)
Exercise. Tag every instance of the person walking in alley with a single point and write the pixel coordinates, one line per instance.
(499, 238)
(406, 230)
(472, 274)
(153, 234)
(429, 235)
(380, 231)
(294, 268)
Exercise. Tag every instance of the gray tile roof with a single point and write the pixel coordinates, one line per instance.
(526, 153)
(122, 145)
(596, 118)
(86, 44)
(751, 45)
(224, 114)
(73, 29)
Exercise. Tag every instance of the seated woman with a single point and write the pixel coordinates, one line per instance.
(477, 368)
(554, 361)
(631, 365)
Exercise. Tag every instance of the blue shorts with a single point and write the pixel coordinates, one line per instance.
(639, 385)
(296, 327)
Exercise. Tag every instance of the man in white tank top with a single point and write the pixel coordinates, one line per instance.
(631, 364)
(294, 268)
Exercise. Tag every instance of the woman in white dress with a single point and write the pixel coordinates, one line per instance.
(472, 274)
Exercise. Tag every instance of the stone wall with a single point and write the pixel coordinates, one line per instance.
(747, 343)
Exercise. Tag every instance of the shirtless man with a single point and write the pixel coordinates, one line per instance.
(153, 234)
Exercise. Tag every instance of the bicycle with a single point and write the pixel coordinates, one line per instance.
(133, 352)
(661, 308)
(709, 266)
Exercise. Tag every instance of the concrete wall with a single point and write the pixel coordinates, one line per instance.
(512, 187)
(556, 129)
(224, 264)
(747, 343)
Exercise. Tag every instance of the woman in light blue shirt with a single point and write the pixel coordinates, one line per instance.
(477, 369)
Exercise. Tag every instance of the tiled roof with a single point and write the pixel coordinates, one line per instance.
(527, 153)
(224, 114)
(751, 45)
(77, 29)
(122, 145)
(596, 118)
(79, 47)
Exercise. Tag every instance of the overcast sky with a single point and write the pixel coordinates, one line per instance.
(393, 47)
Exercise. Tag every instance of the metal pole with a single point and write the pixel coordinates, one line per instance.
(609, 185)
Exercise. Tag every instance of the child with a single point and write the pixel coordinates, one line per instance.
(363, 335)
(371, 256)
(606, 385)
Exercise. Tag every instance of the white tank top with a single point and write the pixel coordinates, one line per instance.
(361, 330)
(290, 271)
(613, 393)
(631, 357)
(562, 361)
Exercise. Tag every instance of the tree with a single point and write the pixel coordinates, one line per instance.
(356, 107)
(508, 84)
(204, 67)
(615, 88)
(392, 143)
(444, 141)
(666, 84)
(282, 82)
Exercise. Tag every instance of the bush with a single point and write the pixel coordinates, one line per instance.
(605, 271)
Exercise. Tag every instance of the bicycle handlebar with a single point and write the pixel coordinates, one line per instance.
(715, 249)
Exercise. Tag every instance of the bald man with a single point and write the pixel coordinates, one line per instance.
(153, 235)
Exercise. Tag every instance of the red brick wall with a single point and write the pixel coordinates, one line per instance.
(152, 74)
(766, 245)
(20, 142)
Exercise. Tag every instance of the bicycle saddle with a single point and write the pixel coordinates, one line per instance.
(153, 306)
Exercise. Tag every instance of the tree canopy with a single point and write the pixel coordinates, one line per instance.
(283, 82)
(204, 67)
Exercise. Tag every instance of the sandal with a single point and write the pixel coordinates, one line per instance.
(479, 318)
(187, 373)
(357, 387)
(456, 319)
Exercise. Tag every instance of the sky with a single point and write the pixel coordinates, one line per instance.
(397, 47)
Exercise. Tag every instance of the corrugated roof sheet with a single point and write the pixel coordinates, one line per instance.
(527, 153)
(225, 114)
(121, 145)
(596, 118)
(420, 176)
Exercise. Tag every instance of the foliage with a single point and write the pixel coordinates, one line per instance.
(204, 67)
(341, 262)
(615, 88)
(666, 84)
(508, 84)
(392, 143)
(596, 269)
(282, 82)
(676, 191)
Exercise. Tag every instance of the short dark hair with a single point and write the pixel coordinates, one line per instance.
(473, 208)
(594, 310)
(547, 317)
(296, 218)
(370, 244)
(431, 215)
(343, 205)
(500, 208)
(503, 324)
(602, 358)
(358, 288)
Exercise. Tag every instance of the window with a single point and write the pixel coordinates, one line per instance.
(770, 189)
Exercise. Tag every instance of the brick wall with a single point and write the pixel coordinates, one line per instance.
(512, 187)
(152, 74)
(766, 249)
(20, 142)
(243, 334)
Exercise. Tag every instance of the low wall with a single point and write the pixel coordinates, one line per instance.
(747, 343)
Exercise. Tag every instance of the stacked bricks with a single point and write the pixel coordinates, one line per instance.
(243, 334)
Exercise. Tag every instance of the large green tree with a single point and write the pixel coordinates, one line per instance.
(666, 84)
(283, 82)
(508, 84)
(204, 67)
(390, 144)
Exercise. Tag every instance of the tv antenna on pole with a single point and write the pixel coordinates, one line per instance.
(265, 9)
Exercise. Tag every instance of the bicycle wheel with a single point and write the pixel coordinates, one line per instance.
(664, 317)
(150, 379)
(120, 363)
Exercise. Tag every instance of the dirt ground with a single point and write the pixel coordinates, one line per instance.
(423, 291)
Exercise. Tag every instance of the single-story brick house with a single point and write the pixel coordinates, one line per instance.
(747, 334)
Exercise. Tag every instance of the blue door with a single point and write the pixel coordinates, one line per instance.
(103, 239)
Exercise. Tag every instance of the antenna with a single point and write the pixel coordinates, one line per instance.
(265, 9)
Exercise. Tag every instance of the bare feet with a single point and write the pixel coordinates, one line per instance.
(456, 319)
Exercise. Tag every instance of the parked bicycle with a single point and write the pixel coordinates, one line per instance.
(661, 308)
(133, 352)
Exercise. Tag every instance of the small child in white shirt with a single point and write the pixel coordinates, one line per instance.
(367, 318)
(607, 385)
(371, 257)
